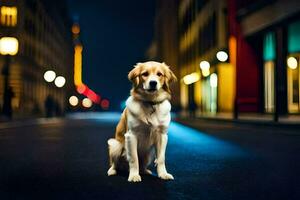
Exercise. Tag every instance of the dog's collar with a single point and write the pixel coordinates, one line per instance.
(153, 103)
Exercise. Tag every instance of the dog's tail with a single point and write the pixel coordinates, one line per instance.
(115, 150)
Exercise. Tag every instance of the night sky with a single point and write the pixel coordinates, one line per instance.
(115, 36)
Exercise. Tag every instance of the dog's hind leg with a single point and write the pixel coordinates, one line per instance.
(115, 149)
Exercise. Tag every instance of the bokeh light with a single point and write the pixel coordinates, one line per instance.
(222, 56)
(213, 80)
(292, 62)
(105, 104)
(49, 76)
(9, 46)
(205, 72)
(73, 100)
(204, 65)
(87, 103)
(191, 78)
(60, 81)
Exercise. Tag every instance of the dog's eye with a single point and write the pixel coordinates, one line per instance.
(145, 74)
(159, 74)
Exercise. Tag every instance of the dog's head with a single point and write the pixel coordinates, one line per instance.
(151, 77)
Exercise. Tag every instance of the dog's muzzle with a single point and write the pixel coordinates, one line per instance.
(152, 86)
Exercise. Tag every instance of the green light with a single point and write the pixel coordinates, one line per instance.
(294, 37)
(269, 47)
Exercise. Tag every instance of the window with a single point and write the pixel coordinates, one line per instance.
(9, 16)
(269, 56)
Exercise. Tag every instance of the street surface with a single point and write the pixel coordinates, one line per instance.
(67, 159)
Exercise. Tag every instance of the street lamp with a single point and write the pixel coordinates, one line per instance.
(73, 100)
(60, 81)
(205, 66)
(49, 76)
(9, 46)
(87, 103)
(222, 56)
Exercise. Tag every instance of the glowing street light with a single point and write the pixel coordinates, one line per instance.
(49, 76)
(9, 46)
(222, 56)
(104, 104)
(205, 72)
(60, 81)
(292, 62)
(204, 65)
(213, 80)
(73, 100)
(191, 78)
(87, 103)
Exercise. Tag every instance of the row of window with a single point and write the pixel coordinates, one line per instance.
(206, 40)
(8, 15)
(193, 9)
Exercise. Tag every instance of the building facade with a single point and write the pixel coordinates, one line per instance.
(270, 29)
(236, 56)
(43, 31)
(164, 47)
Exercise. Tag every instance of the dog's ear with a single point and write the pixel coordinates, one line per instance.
(133, 75)
(169, 77)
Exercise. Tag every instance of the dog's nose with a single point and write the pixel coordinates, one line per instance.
(153, 84)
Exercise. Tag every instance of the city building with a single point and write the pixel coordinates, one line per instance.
(207, 84)
(234, 56)
(267, 33)
(43, 31)
(164, 47)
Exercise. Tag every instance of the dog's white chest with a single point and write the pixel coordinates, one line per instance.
(147, 116)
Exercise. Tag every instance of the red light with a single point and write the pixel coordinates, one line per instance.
(93, 96)
(104, 104)
(81, 88)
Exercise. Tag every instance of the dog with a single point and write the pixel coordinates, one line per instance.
(141, 134)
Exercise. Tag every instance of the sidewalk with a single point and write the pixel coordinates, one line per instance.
(246, 118)
(28, 122)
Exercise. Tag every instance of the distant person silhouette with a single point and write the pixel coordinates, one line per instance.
(49, 106)
(7, 108)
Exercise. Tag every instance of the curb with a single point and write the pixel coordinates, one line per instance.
(241, 121)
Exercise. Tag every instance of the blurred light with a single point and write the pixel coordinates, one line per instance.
(49, 76)
(81, 88)
(213, 80)
(73, 100)
(232, 49)
(60, 81)
(9, 15)
(78, 65)
(204, 65)
(9, 46)
(104, 104)
(123, 105)
(191, 78)
(205, 72)
(292, 62)
(222, 56)
(93, 96)
(75, 29)
(87, 103)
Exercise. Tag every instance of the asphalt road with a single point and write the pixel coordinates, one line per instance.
(67, 159)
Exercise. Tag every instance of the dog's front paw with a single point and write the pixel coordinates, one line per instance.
(134, 178)
(111, 172)
(166, 176)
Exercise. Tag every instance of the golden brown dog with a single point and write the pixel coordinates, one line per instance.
(143, 126)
